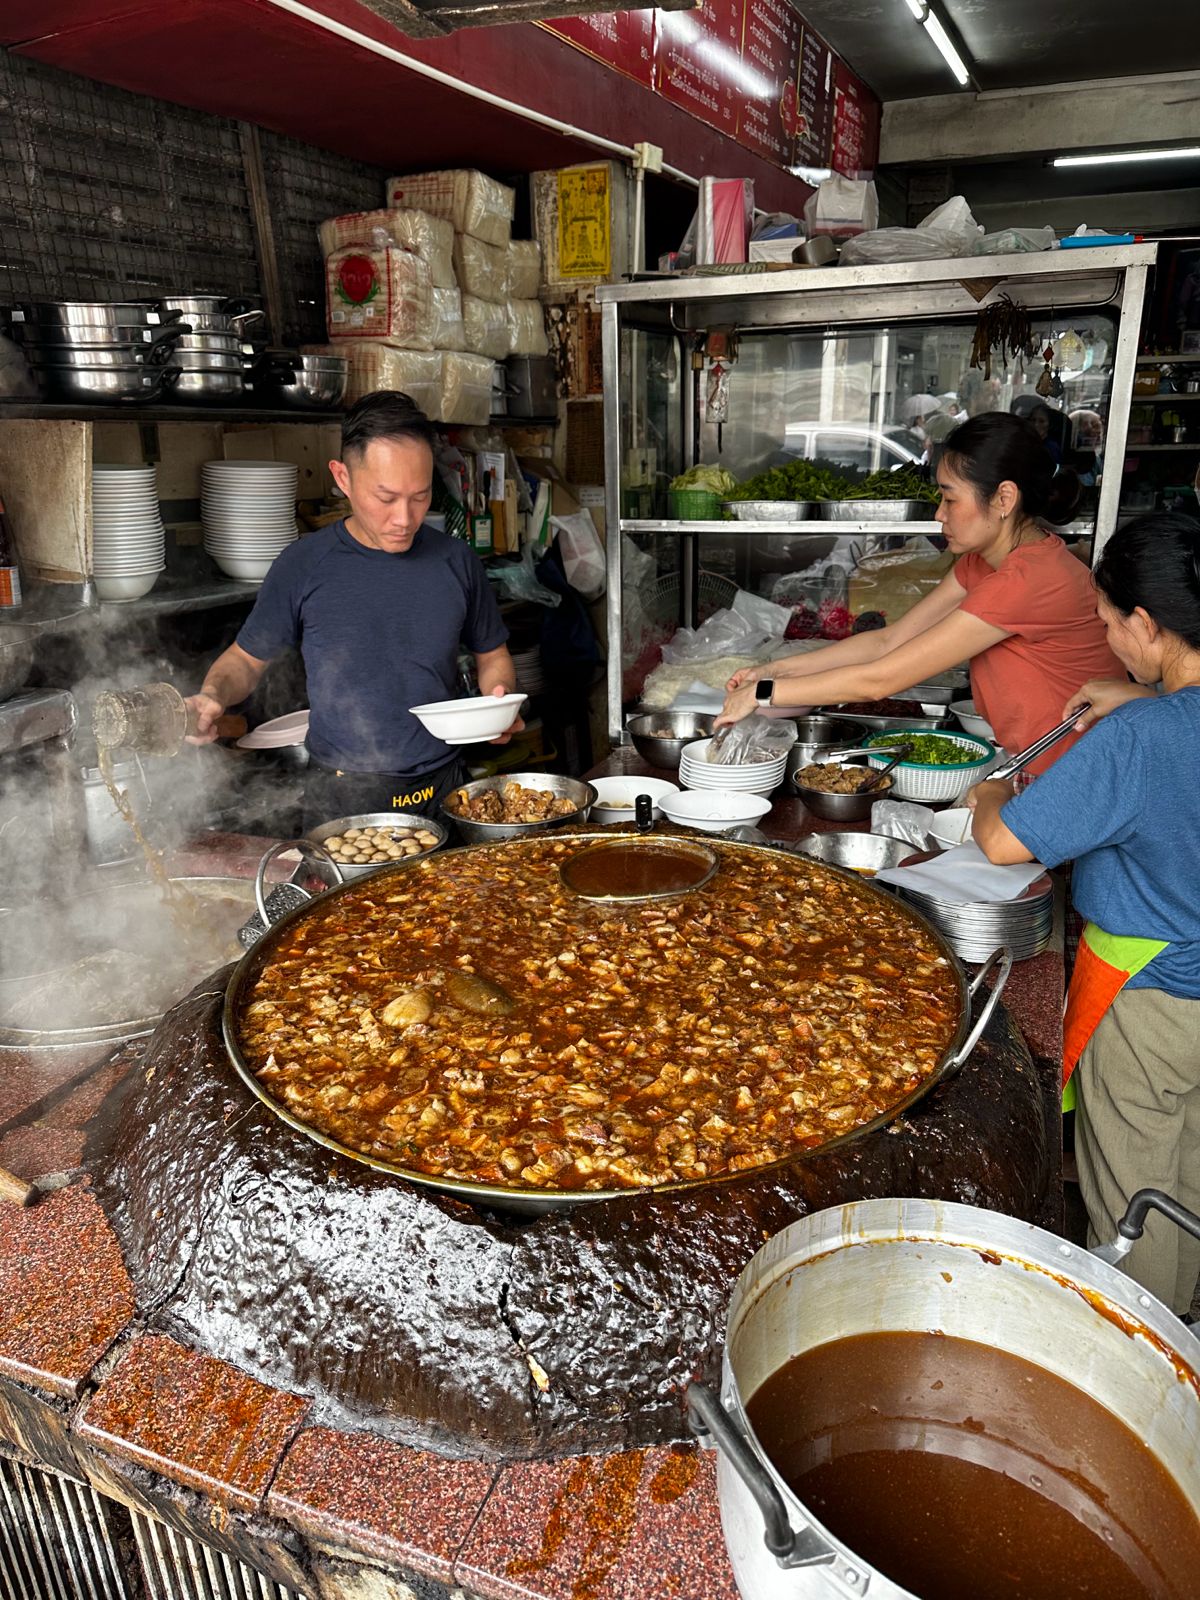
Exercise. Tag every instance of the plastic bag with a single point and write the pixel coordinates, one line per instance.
(581, 553)
(755, 738)
(447, 329)
(520, 581)
(724, 634)
(524, 269)
(481, 269)
(900, 819)
(431, 238)
(771, 618)
(842, 206)
(473, 202)
(527, 328)
(487, 330)
(1014, 242)
(948, 231)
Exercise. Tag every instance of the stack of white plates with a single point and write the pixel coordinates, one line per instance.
(248, 511)
(755, 777)
(128, 541)
(530, 677)
(977, 927)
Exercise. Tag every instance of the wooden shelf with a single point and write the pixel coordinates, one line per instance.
(1164, 361)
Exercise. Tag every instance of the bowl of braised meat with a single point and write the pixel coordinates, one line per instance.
(516, 804)
(830, 789)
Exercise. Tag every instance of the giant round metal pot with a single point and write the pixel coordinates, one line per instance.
(16, 658)
(912, 1266)
(533, 1201)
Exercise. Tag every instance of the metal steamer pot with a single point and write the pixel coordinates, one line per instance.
(69, 932)
(528, 1201)
(899, 1265)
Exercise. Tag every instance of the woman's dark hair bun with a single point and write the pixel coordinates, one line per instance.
(1154, 562)
(998, 448)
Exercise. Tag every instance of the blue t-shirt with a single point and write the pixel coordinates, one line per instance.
(1124, 805)
(379, 632)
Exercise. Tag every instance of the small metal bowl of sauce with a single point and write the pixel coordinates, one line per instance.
(625, 870)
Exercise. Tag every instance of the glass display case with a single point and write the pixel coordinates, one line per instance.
(857, 369)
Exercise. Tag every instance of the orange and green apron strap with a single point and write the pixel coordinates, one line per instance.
(1103, 966)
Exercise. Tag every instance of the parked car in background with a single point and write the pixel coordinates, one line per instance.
(859, 446)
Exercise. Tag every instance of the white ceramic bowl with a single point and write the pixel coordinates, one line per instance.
(127, 588)
(468, 721)
(251, 569)
(616, 797)
(914, 780)
(715, 810)
(965, 711)
(951, 828)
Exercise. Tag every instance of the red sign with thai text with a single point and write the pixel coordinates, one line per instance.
(623, 40)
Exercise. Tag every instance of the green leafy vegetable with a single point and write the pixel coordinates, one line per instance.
(714, 479)
(930, 749)
(795, 480)
(905, 483)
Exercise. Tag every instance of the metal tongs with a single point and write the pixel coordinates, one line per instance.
(1009, 769)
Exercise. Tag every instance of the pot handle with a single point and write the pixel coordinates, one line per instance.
(305, 847)
(1002, 957)
(1132, 1225)
(707, 1416)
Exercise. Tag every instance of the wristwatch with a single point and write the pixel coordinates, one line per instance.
(763, 690)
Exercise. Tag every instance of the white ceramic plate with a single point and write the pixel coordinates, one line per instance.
(275, 735)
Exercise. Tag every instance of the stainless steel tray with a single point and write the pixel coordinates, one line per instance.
(772, 510)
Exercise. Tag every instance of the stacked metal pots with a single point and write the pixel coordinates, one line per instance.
(188, 348)
(100, 352)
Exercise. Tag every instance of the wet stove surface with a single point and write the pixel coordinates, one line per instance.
(126, 1357)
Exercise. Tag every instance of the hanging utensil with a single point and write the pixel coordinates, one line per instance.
(1009, 769)
(899, 752)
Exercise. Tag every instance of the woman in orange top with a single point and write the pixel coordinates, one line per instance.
(1016, 605)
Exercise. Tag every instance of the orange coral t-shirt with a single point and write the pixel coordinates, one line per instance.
(1042, 596)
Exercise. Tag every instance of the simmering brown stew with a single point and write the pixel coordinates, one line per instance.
(958, 1471)
(471, 1018)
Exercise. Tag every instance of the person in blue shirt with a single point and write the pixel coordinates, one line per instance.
(379, 605)
(1124, 805)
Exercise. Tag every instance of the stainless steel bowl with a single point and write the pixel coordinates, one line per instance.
(378, 819)
(201, 387)
(302, 381)
(858, 852)
(878, 510)
(819, 734)
(659, 737)
(771, 510)
(574, 789)
(843, 807)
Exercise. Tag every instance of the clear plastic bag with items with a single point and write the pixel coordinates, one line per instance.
(725, 633)
(754, 738)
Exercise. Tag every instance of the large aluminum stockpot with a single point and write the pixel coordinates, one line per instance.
(530, 1201)
(916, 1266)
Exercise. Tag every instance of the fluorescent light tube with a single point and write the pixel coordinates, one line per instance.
(1191, 151)
(917, 7)
(941, 38)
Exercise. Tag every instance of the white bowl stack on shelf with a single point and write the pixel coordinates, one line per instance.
(696, 771)
(528, 664)
(248, 512)
(128, 540)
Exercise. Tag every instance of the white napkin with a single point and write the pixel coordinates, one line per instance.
(698, 696)
(964, 875)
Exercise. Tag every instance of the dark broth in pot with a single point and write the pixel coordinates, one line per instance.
(958, 1470)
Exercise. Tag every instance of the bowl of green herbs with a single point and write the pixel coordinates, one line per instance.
(939, 766)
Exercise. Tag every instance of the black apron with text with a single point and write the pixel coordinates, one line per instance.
(330, 794)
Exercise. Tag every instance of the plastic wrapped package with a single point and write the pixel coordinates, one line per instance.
(842, 206)
(448, 330)
(376, 364)
(431, 238)
(474, 203)
(379, 294)
(1015, 242)
(524, 269)
(487, 328)
(481, 269)
(466, 389)
(527, 327)
(949, 230)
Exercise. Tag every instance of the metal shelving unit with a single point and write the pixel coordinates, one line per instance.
(837, 298)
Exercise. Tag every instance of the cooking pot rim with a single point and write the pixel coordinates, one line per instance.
(527, 1199)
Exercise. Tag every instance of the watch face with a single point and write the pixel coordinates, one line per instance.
(766, 688)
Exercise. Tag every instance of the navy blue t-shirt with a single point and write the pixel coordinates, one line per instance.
(1124, 805)
(379, 632)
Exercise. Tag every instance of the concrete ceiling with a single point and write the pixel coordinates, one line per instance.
(1010, 44)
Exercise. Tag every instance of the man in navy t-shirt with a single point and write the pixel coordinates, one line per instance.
(379, 605)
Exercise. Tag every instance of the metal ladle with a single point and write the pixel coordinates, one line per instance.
(900, 751)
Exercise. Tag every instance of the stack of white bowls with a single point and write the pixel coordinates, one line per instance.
(128, 541)
(528, 664)
(696, 771)
(248, 512)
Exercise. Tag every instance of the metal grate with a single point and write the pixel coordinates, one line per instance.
(58, 1538)
(177, 1568)
(304, 187)
(111, 195)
